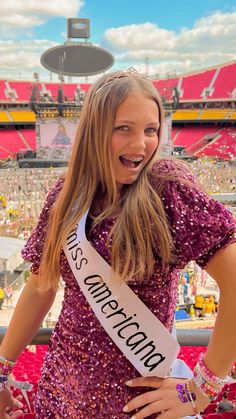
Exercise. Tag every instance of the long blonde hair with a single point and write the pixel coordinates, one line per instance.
(141, 230)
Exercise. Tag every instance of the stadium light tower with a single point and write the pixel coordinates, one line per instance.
(147, 65)
(36, 77)
(170, 104)
(34, 93)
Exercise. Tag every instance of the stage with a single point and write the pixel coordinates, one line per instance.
(27, 163)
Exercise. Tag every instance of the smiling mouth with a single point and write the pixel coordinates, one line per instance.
(131, 162)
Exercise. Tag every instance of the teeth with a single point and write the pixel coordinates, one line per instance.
(134, 159)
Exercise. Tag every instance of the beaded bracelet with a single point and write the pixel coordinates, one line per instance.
(206, 381)
(201, 371)
(3, 382)
(5, 361)
(216, 388)
(6, 366)
(202, 385)
(212, 377)
(205, 387)
(5, 369)
(192, 396)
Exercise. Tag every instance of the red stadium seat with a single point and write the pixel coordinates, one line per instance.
(232, 395)
(211, 408)
(228, 415)
(231, 386)
(194, 85)
(225, 82)
(214, 416)
(23, 89)
(191, 136)
(3, 89)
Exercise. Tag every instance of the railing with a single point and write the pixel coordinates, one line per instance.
(19, 282)
(185, 337)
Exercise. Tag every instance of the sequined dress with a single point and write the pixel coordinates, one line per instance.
(84, 373)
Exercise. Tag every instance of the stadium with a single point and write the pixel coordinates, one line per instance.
(201, 104)
(38, 123)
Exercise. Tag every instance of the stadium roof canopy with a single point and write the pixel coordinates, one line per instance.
(10, 252)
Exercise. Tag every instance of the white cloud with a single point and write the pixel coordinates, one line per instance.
(140, 36)
(210, 41)
(19, 18)
(23, 57)
(213, 33)
(22, 15)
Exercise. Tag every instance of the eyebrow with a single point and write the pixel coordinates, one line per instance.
(124, 121)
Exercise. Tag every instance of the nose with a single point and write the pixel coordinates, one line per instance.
(138, 141)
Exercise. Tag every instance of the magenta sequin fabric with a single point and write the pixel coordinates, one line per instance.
(84, 373)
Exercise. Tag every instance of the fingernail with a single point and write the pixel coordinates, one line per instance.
(125, 409)
(133, 417)
(20, 405)
(129, 383)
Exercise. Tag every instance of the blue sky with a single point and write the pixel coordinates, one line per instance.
(176, 36)
(172, 15)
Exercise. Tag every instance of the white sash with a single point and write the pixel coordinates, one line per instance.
(135, 330)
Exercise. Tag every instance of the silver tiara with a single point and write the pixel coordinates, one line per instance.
(130, 72)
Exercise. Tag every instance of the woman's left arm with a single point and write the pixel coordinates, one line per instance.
(221, 352)
(219, 358)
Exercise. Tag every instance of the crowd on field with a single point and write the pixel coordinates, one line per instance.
(22, 192)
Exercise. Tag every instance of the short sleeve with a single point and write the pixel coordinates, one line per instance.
(32, 251)
(200, 225)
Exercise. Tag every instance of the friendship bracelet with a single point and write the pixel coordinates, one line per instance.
(6, 361)
(212, 377)
(199, 370)
(202, 386)
(5, 369)
(192, 397)
(206, 380)
(203, 380)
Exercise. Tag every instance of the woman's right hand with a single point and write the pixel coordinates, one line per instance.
(9, 405)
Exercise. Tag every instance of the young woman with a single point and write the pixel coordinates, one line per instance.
(61, 137)
(118, 228)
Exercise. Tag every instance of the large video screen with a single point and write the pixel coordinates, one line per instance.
(57, 134)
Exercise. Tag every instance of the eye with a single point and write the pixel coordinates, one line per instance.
(151, 130)
(121, 128)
